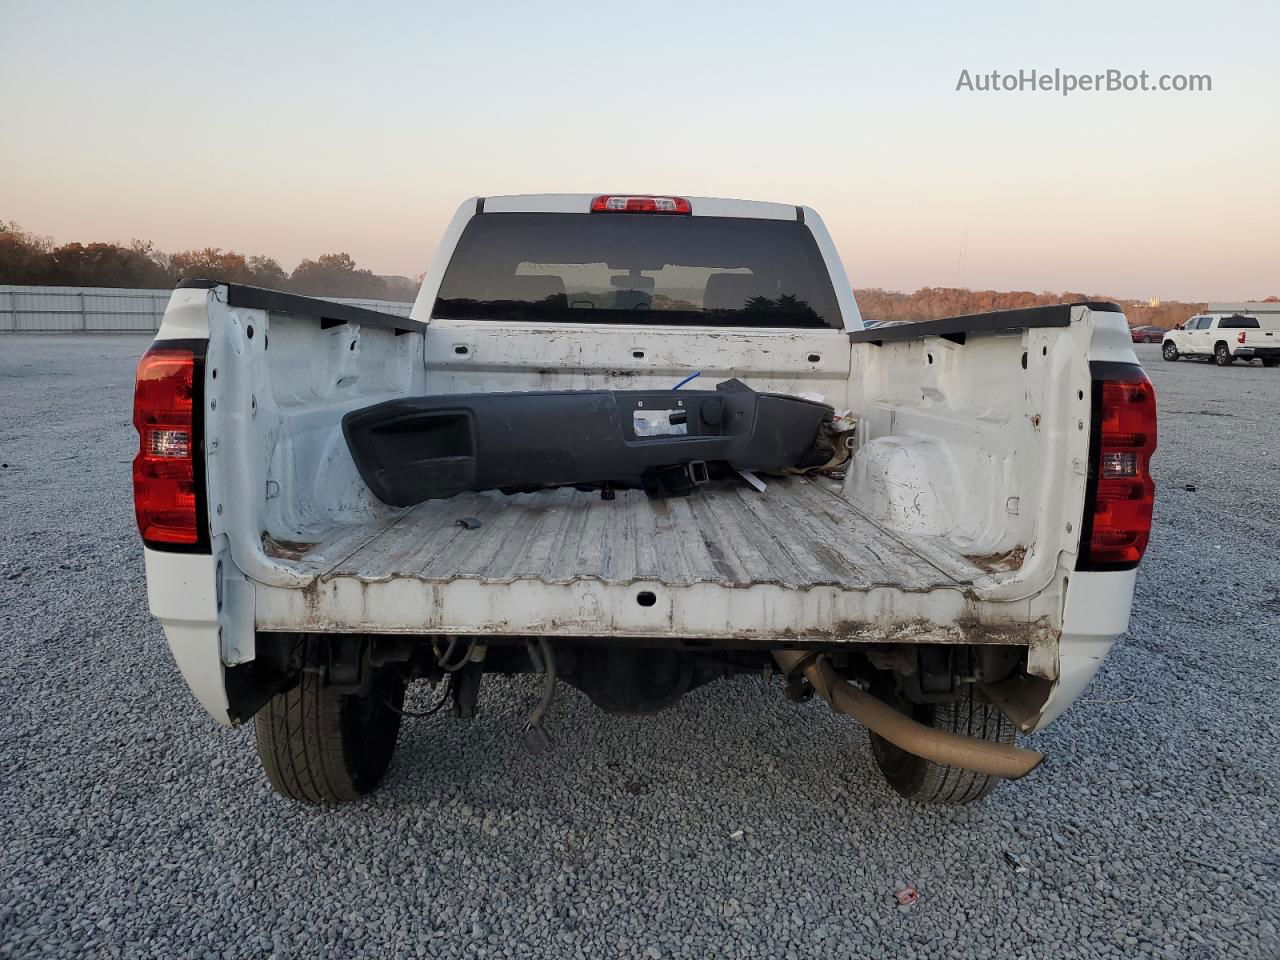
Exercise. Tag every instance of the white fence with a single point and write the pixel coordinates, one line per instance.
(26, 309)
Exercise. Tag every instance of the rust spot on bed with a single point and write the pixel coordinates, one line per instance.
(1005, 562)
(284, 549)
(968, 630)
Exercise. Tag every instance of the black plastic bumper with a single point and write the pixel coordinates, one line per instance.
(433, 447)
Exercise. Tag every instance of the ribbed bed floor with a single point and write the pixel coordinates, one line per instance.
(799, 533)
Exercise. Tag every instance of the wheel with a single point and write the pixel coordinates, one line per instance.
(1170, 350)
(1222, 356)
(1271, 361)
(928, 782)
(321, 746)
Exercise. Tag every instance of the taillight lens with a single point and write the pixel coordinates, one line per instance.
(625, 204)
(167, 495)
(1240, 337)
(1122, 493)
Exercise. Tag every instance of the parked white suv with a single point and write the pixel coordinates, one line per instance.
(1223, 338)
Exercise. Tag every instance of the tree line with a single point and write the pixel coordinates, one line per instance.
(28, 258)
(934, 303)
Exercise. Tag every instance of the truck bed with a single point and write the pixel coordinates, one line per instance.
(959, 521)
(798, 534)
(727, 562)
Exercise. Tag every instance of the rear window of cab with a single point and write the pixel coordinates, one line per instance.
(638, 268)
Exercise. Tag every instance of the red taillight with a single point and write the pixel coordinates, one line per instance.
(165, 490)
(623, 204)
(1240, 337)
(1123, 491)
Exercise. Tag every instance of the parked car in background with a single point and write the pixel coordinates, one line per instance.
(1224, 339)
(1146, 334)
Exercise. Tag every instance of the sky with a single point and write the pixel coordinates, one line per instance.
(294, 130)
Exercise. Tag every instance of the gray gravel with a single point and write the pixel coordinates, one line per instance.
(735, 825)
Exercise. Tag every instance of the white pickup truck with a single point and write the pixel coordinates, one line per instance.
(1224, 339)
(336, 503)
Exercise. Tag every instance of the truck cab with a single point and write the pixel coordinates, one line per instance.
(570, 462)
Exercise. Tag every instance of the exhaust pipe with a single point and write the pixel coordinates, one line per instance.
(940, 746)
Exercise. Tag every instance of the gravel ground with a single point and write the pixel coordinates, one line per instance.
(734, 825)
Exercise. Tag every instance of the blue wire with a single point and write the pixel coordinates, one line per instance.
(687, 379)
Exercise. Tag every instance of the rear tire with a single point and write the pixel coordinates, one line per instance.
(928, 782)
(1170, 351)
(321, 746)
(1271, 362)
(1222, 355)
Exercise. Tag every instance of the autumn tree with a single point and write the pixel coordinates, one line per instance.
(104, 265)
(24, 257)
(400, 288)
(268, 273)
(935, 303)
(212, 263)
(29, 259)
(336, 275)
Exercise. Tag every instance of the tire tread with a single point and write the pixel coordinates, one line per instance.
(300, 739)
(928, 782)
